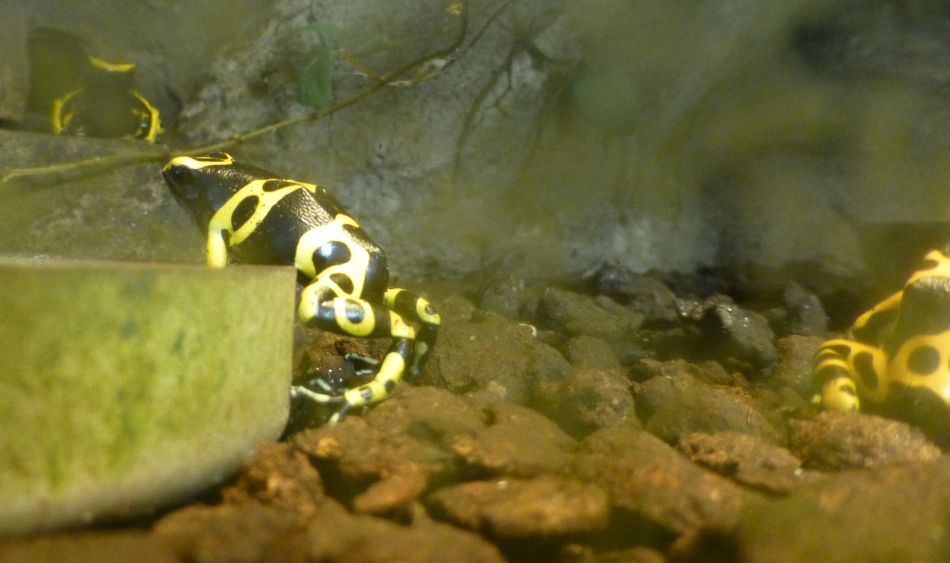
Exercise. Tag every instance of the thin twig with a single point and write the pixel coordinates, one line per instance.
(468, 124)
(382, 81)
(111, 161)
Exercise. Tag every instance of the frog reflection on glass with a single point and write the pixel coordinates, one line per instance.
(81, 94)
(255, 216)
(899, 351)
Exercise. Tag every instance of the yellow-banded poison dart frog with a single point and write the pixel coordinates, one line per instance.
(256, 216)
(86, 95)
(106, 106)
(897, 351)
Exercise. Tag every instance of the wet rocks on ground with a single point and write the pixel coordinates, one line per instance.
(543, 508)
(533, 434)
(735, 337)
(746, 459)
(895, 513)
(833, 440)
(674, 405)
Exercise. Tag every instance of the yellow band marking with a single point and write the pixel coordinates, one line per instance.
(354, 268)
(105, 65)
(890, 304)
(195, 164)
(362, 328)
(151, 113)
(834, 398)
(422, 310)
(398, 328)
(389, 298)
(223, 217)
(59, 120)
(391, 369)
(942, 269)
(310, 297)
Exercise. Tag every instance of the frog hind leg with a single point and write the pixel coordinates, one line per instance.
(324, 305)
(846, 370)
(832, 376)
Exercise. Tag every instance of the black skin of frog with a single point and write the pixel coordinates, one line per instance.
(897, 352)
(255, 216)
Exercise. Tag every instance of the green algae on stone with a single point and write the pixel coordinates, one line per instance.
(124, 386)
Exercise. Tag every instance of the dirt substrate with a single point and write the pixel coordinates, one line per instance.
(658, 423)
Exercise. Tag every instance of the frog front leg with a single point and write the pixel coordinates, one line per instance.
(217, 247)
(324, 305)
(418, 309)
(413, 307)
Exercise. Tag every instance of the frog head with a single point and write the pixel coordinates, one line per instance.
(202, 184)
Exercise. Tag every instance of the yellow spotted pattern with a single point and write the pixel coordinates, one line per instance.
(845, 389)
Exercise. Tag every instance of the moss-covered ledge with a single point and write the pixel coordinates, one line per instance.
(124, 387)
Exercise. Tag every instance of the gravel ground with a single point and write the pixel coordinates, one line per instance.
(648, 423)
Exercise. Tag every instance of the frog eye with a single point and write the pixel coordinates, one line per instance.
(177, 174)
(180, 177)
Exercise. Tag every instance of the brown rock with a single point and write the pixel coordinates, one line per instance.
(834, 440)
(277, 475)
(796, 356)
(573, 314)
(392, 493)
(674, 405)
(590, 352)
(639, 554)
(894, 513)
(491, 353)
(745, 459)
(645, 476)
(88, 547)
(733, 336)
(382, 472)
(385, 460)
(426, 414)
(452, 306)
(517, 442)
(707, 372)
(254, 532)
(587, 399)
(232, 533)
(336, 535)
(543, 507)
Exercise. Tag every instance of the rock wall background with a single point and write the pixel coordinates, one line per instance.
(748, 135)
